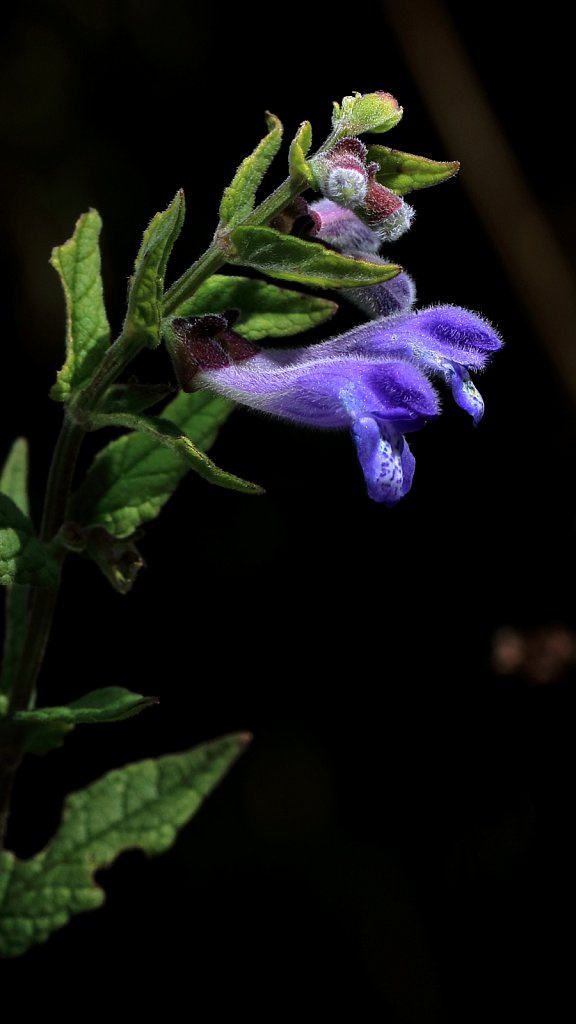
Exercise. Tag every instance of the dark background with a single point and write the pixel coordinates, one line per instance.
(396, 845)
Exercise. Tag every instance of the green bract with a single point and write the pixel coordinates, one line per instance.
(147, 283)
(294, 259)
(405, 172)
(238, 199)
(299, 148)
(370, 112)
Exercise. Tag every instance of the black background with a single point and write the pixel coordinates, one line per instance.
(397, 844)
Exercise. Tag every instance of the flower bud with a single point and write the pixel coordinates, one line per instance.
(341, 174)
(371, 112)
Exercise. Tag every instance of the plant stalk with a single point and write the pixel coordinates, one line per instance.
(61, 474)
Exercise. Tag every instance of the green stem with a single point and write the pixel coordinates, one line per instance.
(218, 253)
(60, 477)
(10, 758)
(185, 286)
(118, 357)
(42, 607)
(43, 601)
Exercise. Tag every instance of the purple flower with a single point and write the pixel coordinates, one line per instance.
(373, 380)
(343, 230)
(443, 341)
(446, 345)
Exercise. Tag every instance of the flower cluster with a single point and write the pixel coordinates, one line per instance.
(378, 379)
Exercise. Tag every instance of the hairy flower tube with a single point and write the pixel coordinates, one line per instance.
(343, 230)
(374, 380)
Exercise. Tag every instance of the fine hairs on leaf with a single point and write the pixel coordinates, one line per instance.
(77, 264)
(379, 380)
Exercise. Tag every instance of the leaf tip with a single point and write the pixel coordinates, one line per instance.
(241, 741)
(148, 702)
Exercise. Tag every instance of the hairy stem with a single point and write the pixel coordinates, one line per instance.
(185, 286)
(217, 255)
(42, 607)
(43, 601)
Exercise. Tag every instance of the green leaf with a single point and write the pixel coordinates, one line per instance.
(46, 728)
(238, 199)
(42, 739)
(294, 259)
(14, 484)
(23, 558)
(142, 806)
(266, 311)
(77, 263)
(110, 704)
(14, 475)
(299, 147)
(405, 172)
(147, 283)
(372, 112)
(168, 434)
(133, 477)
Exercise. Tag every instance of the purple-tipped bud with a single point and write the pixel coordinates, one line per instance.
(342, 174)
(344, 177)
(380, 203)
(198, 343)
(345, 231)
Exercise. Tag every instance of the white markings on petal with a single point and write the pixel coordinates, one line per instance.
(379, 449)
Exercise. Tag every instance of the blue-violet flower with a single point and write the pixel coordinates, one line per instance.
(377, 379)
(373, 380)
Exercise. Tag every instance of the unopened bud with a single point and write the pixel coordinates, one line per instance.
(372, 112)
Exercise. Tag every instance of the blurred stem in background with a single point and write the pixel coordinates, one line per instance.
(491, 174)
